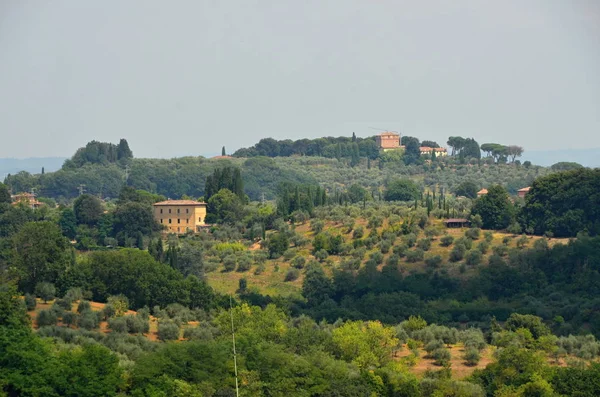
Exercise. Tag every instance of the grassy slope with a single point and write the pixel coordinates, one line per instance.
(271, 281)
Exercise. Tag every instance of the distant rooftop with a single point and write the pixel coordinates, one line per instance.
(180, 202)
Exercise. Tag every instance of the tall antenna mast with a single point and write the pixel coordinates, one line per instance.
(237, 391)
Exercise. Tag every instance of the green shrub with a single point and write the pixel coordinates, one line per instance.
(410, 240)
(377, 257)
(473, 257)
(400, 250)
(45, 291)
(500, 250)
(433, 345)
(488, 235)
(298, 262)
(118, 324)
(88, 320)
(441, 357)
(393, 260)
(63, 303)
(321, 255)
(446, 240)
(433, 261)
(74, 294)
(168, 331)
(70, 318)
(473, 233)
(385, 246)
(483, 246)
(83, 306)
(46, 317)
(471, 357)
(457, 253)
(292, 275)
(415, 256)
(424, 244)
(358, 233)
(522, 241)
(137, 324)
(30, 302)
(244, 264)
(229, 263)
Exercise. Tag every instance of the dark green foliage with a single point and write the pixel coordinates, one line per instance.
(88, 320)
(41, 253)
(467, 189)
(224, 207)
(168, 331)
(533, 323)
(473, 258)
(46, 317)
(566, 166)
(415, 255)
(424, 244)
(564, 203)
(83, 306)
(134, 219)
(69, 318)
(99, 153)
(88, 209)
(45, 291)
(225, 178)
(495, 208)
(473, 233)
(441, 356)
(401, 190)
(433, 261)
(278, 244)
(30, 302)
(68, 223)
(446, 241)
(292, 275)
(458, 252)
(471, 356)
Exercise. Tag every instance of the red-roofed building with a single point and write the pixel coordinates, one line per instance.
(180, 216)
(388, 141)
(27, 199)
(523, 192)
(482, 192)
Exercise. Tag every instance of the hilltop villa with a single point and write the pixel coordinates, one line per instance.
(523, 192)
(388, 141)
(180, 216)
(439, 151)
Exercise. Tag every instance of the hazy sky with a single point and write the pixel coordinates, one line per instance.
(187, 77)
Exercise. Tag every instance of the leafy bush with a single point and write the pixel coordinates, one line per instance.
(471, 356)
(441, 356)
(473, 233)
(415, 256)
(298, 262)
(70, 318)
(74, 294)
(377, 257)
(168, 331)
(137, 324)
(433, 345)
(358, 233)
(424, 244)
(229, 263)
(385, 246)
(410, 240)
(292, 275)
(321, 255)
(63, 303)
(457, 253)
(473, 257)
(446, 240)
(83, 306)
(46, 317)
(118, 324)
(244, 264)
(483, 246)
(433, 261)
(30, 302)
(500, 250)
(88, 320)
(45, 291)
(488, 235)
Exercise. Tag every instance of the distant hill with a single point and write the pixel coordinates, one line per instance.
(32, 165)
(586, 157)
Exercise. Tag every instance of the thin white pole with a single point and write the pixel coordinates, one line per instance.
(237, 391)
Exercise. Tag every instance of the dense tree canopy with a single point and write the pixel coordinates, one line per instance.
(564, 203)
(495, 208)
(401, 190)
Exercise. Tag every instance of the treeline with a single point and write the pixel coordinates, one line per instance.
(100, 153)
(340, 147)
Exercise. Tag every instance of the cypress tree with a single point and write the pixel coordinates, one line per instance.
(223, 153)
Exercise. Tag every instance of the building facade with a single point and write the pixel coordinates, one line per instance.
(388, 141)
(180, 216)
(27, 199)
(439, 151)
(523, 192)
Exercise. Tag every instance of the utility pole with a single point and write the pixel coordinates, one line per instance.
(81, 189)
(263, 198)
(237, 391)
